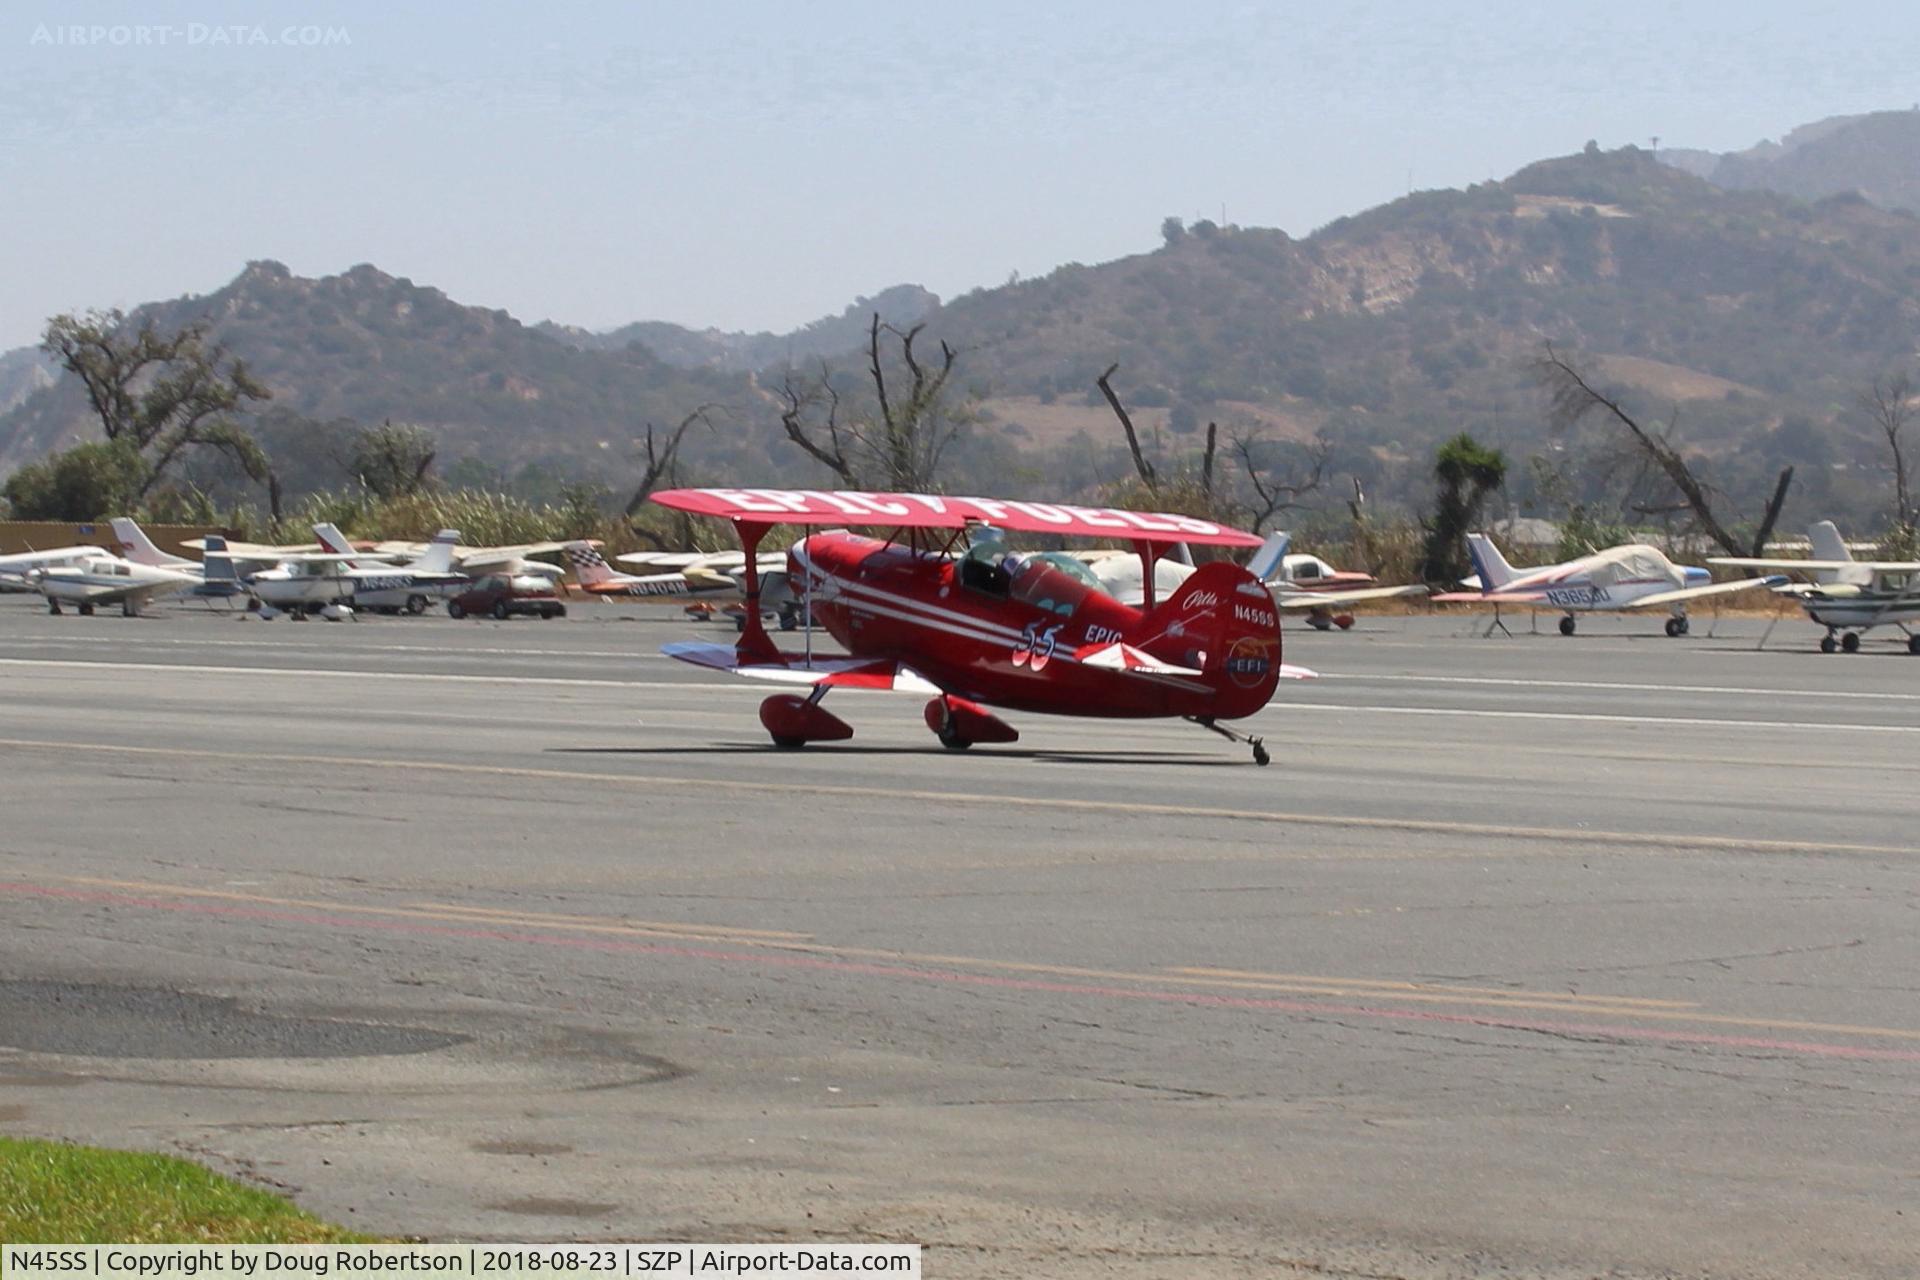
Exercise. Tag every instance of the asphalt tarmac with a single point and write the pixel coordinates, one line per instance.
(1527, 956)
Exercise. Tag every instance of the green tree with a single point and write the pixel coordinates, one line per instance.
(87, 482)
(1467, 472)
(159, 394)
(392, 461)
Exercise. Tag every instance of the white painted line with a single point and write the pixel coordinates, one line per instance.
(1605, 685)
(331, 673)
(1595, 717)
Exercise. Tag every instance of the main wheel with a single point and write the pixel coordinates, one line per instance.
(499, 611)
(86, 611)
(1260, 756)
(455, 609)
(1566, 626)
(786, 743)
(1675, 627)
(953, 741)
(1913, 643)
(416, 604)
(1850, 642)
(1828, 644)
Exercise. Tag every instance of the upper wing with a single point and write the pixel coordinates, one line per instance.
(835, 673)
(942, 511)
(1659, 598)
(1322, 599)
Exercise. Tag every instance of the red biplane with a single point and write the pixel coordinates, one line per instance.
(942, 606)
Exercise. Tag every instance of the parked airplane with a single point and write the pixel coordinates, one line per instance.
(1848, 596)
(598, 577)
(309, 583)
(1621, 578)
(15, 568)
(436, 558)
(136, 546)
(105, 578)
(479, 562)
(1299, 583)
(989, 628)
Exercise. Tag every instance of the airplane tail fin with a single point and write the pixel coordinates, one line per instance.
(331, 539)
(136, 546)
(1266, 562)
(438, 557)
(1827, 542)
(1492, 567)
(219, 565)
(588, 564)
(1222, 622)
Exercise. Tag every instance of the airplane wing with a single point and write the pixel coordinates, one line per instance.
(1128, 660)
(835, 673)
(1872, 566)
(943, 511)
(1325, 599)
(1660, 598)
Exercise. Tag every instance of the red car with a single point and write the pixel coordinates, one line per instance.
(500, 596)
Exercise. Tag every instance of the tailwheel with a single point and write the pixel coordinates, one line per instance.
(1850, 642)
(1260, 756)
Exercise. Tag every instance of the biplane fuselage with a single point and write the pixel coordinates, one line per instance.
(1011, 640)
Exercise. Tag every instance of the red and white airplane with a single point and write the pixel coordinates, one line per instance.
(941, 606)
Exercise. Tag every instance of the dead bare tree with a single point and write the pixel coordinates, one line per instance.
(903, 441)
(664, 456)
(1889, 402)
(1148, 475)
(1573, 396)
(1272, 496)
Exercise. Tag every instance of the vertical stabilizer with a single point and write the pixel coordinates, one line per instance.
(1829, 545)
(136, 546)
(1492, 567)
(219, 565)
(438, 557)
(589, 566)
(1267, 561)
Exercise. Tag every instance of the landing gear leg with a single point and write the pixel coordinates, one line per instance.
(1260, 755)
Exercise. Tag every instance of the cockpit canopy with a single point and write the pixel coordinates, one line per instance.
(1049, 580)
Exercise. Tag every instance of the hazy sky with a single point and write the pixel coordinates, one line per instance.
(757, 164)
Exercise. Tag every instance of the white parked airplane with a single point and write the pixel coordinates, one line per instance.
(15, 568)
(1299, 583)
(309, 583)
(601, 579)
(1848, 596)
(1634, 576)
(136, 546)
(437, 557)
(104, 578)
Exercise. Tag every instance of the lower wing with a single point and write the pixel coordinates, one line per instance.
(834, 673)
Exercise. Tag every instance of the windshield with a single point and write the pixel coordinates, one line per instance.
(1053, 581)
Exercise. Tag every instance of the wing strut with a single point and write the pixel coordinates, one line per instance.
(754, 645)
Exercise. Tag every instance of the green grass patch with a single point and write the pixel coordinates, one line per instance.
(57, 1193)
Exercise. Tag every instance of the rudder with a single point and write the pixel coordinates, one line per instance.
(1222, 621)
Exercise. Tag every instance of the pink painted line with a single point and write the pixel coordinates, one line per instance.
(1809, 1048)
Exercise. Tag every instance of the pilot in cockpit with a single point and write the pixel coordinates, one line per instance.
(989, 565)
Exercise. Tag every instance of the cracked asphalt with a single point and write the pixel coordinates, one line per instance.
(1528, 957)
